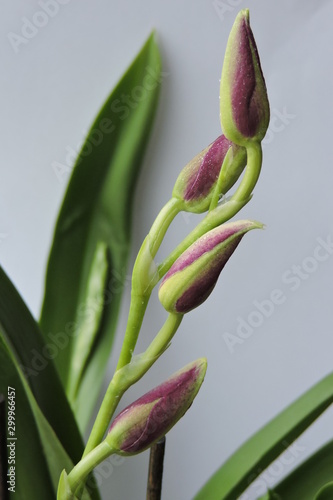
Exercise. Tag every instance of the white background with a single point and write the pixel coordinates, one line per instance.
(51, 89)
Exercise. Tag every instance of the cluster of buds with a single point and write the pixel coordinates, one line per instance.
(244, 111)
(192, 270)
(195, 271)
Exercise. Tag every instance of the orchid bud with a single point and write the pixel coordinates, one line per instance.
(150, 417)
(196, 182)
(193, 276)
(243, 96)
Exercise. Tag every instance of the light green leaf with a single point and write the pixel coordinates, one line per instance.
(40, 456)
(54, 454)
(33, 356)
(326, 492)
(32, 478)
(90, 323)
(267, 444)
(97, 208)
(38, 438)
(64, 490)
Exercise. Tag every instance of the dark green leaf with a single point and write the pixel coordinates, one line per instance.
(310, 480)
(25, 343)
(326, 492)
(46, 451)
(97, 209)
(32, 478)
(267, 444)
(90, 324)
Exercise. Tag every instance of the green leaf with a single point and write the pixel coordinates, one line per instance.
(314, 474)
(97, 209)
(326, 492)
(23, 339)
(90, 324)
(32, 478)
(64, 490)
(267, 444)
(35, 441)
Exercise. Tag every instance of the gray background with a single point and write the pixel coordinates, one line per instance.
(51, 90)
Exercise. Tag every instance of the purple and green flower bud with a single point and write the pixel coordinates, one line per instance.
(196, 182)
(193, 276)
(244, 103)
(150, 417)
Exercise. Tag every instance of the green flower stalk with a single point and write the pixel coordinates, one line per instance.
(193, 276)
(141, 424)
(244, 103)
(221, 161)
(190, 272)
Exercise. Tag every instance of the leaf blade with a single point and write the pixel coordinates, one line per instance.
(237, 473)
(25, 343)
(98, 207)
(37, 443)
(312, 475)
(90, 326)
(30, 466)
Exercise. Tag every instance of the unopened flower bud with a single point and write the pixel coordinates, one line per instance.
(243, 96)
(196, 182)
(150, 417)
(193, 276)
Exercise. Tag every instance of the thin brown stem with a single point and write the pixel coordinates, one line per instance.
(155, 474)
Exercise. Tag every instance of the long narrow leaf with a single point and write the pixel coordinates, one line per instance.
(307, 479)
(33, 440)
(25, 342)
(326, 492)
(89, 326)
(30, 468)
(267, 444)
(97, 209)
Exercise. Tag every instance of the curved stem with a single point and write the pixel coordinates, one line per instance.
(109, 404)
(162, 223)
(142, 362)
(79, 473)
(162, 340)
(136, 314)
(127, 376)
(252, 171)
(226, 210)
(144, 278)
(143, 282)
